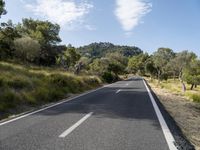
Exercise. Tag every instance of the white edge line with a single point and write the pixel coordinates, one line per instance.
(167, 133)
(73, 127)
(45, 108)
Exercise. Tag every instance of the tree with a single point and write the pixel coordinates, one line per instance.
(192, 73)
(68, 58)
(150, 68)
(27, 49)
(161, 58)
(98, 50)
(85, 62)
(99, 66)
(117, 58)
(136, 64)
(181, 61)
(8, 33)
(46, 33)
(2, 8)
(115, 68)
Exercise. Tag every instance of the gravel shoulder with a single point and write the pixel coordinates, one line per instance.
(185, 113)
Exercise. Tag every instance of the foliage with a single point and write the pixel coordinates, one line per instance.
(68, 58)
(8, 33)
(109, 77)
(2, 8)
(97, 50)
(192, 73)
(161, 58)
(99, 66)
(136, 63)
(150, 68)
(30, 86)
(46, 33)
(196, 97)
(115, 68)
(179, 62)
(27, 49)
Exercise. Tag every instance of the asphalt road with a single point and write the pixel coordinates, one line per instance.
(120, 116)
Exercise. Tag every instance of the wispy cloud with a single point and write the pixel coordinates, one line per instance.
(63, 12)
(129, 12)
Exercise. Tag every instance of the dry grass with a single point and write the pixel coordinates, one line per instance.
(181, 107)
(22, 85)
(175, 87)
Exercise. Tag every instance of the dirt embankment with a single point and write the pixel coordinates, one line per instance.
(185, 112)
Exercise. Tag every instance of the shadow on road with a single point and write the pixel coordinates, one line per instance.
(131, 103)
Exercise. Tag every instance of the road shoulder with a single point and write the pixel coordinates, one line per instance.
(175, 111)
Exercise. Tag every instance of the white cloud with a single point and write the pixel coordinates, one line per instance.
(63, 12)
(129, 12)
(89, 27)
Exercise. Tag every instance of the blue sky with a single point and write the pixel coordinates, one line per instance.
(148, 24)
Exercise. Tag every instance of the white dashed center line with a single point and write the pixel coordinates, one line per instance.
(73, 127)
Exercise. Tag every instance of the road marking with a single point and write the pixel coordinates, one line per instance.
(53, 105)
(45, 108)
(118, 91)
(73, 127)
(127, 84)
(167, 133)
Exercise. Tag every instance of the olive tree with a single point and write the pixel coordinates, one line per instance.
(27, 49)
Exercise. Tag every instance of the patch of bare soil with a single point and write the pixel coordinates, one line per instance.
(186, 114)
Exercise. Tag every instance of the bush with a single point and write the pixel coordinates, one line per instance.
(196, 98)
(32, 86)
(109, 77)
(164, 77)
(18, 83)
(27, 49)
(8, 99)
(41, 94)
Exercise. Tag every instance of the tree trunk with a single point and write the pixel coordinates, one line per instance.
(192, 86)
(195, 85)
(174, 75)
(159, 73)
(183, 86)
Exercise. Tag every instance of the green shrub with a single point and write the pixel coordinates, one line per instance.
(164, 77)
(18, 83)
(196, 97)
(31, 86)
(56, 94)
(8, 99)
(2, 81)
(28, 98)
(41, 94)
(59, 80)
(108, 77)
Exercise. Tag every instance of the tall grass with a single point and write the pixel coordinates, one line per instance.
(31, 86)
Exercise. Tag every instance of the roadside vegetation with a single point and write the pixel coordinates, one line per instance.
(175, 87)
(27, 86)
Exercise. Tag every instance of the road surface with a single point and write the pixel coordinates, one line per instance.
(120, 116)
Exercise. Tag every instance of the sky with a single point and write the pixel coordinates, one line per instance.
(148, 24)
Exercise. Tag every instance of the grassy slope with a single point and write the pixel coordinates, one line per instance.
(175, 87)
(22, 86)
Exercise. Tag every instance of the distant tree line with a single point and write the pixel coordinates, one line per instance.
(98, 50)
(165, 63)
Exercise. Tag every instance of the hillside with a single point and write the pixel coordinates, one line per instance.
(22, 87)
(102, 48)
